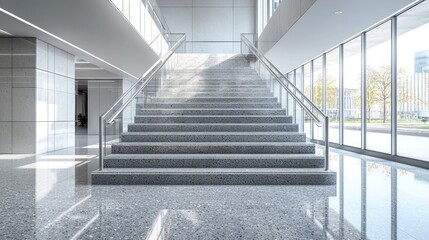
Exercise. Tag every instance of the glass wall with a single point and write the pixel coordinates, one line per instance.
(378, 88)
(318, 93)
(266, 9)
(275, 4)
(352, 93)
(299, 112)
(307, 93)
(411, 56)
(413, 82)
(333, 94)
(143, 18)
(290, 101)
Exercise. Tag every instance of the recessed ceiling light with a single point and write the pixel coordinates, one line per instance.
(338, 12)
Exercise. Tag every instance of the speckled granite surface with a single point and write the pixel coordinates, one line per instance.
(209, 147)
(213, 127)
(213, 176)
(213, 137)
(212, 119)
(49, 197)
(214, 161)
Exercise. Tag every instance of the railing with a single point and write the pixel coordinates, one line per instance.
(263, 66)
(115, 120)
(159, 17)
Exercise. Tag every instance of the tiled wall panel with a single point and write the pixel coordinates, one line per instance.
(36, 96)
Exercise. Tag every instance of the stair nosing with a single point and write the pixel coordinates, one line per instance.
(216, 171)
(277, 133)
(217, 144)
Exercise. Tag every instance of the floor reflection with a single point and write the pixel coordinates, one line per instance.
(49, 196)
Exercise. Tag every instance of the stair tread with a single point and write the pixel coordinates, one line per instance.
(214, 109)
(206, 103)
(209, 116)
(215, 124)
(213, 97)
(217, 85)
(213, 156)
(214, 144)
(213, 133)
(217, 170)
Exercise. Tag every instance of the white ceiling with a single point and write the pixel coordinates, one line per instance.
(320, 29)
(92, 30)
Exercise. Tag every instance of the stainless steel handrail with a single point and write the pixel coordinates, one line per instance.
(146, 78)
(156, 13)
(286, 84)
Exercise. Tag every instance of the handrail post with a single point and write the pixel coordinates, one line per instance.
(326, 133)
(101, 148)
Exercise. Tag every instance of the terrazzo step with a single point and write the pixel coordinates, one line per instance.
(213, 119)
(213, 176)
(233, 75)
(208, 105)
(211, 111)
(213, 148)
(216, 83)
(212, 127)
(213, 137)
(213, 161)
(212, 94)
(203, 68)
(270, 99)
(192, 89)
(242, 69)
(214, 78)
(217, 86)
(192, 82)
(214, 72)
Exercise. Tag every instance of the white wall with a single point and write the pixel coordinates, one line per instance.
(102, 94)
(130, 111)
(211, 26)
(321, 29)
(102, 35)
(37, 96)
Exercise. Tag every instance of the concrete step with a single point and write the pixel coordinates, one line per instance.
(213, 161)
(217, 86)
(213, 119)
(212, 127)
(192, 82)
(215, 83)
(213, 78)
(213, 94)
(214, 176)
(213, 148)
(173, 105)
(212, 111)
(193, 89)
(270, 99)
(213, 72)
(213, 137)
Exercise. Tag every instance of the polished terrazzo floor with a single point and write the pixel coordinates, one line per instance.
(49, 197)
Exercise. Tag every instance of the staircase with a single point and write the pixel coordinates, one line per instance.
(213, 122)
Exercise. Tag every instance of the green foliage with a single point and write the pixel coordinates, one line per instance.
(378, 90)
(331, 91)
